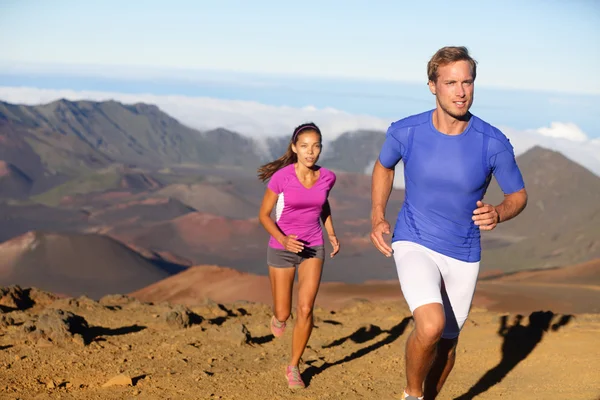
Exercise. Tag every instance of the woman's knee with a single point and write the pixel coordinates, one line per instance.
(282, 313)
(304, 311)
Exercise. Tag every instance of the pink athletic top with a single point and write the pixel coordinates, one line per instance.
(298, 209)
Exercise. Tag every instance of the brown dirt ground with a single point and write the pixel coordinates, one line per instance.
(559, 290)
(355, 352)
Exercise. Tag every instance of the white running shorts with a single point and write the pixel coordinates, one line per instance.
(427, 276)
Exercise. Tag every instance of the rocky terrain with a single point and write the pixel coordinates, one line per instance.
(122, 348)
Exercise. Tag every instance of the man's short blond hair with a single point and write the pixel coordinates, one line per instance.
(447, 55)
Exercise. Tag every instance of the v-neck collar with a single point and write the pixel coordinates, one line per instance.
(302, 184)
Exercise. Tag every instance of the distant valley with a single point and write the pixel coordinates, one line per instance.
(99, 175)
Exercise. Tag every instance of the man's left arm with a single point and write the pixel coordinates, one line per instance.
(506, 171)
(512, 205)
(487, 216)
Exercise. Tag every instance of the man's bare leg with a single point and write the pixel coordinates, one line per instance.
(421, 345)
(441, 367)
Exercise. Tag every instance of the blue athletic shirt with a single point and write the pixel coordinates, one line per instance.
(445, 176)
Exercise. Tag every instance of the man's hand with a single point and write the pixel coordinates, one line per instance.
(485, 216)
(379, 229)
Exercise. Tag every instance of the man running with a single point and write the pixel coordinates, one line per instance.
(449, 157)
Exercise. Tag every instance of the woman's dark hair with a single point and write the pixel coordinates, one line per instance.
(267, 170)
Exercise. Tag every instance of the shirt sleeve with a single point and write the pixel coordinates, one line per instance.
(333, 179)
(392, 150)
(505, 169)
(276, 183)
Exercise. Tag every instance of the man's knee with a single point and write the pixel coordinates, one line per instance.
(429, 322)
(430, 331)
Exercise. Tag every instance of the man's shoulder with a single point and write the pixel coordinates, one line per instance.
(400, 128)
(412, 120)
(487, 129)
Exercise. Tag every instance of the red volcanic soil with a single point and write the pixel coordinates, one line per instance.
(572, 289)
(197, 235)
(14, 183)
(138, 181)
(146, 211)
(225, 200)
(106, 198)
(77, 264)
(587, 273)
(201, 283)
(4, 169)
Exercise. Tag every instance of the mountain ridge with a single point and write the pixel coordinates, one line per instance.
(178, 202)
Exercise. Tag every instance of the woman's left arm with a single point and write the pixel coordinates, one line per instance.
(328, 224)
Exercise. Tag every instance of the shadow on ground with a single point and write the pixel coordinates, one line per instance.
(519, 342)
(362, 335)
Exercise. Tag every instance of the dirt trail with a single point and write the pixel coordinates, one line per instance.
(227, 352)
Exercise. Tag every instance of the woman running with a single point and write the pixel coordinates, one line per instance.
(299, 190)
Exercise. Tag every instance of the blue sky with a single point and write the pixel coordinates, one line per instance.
(360, 63)
(546, 45)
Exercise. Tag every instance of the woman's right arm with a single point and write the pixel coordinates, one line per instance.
(264, 216)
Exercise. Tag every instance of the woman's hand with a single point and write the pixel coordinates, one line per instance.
(291, 244)
(335, 244)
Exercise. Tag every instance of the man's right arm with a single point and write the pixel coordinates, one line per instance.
(382, 180)
(381, 187)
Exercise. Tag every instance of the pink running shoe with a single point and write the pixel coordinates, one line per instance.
(293, 377)
(277, 328)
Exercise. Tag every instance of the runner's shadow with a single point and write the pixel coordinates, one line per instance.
(362, 335)
(230, 314)
(519, 342)
(359, 336)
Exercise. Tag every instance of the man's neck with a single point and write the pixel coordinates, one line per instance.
(449, 125)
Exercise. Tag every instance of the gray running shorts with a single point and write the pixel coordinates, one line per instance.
(283, 258)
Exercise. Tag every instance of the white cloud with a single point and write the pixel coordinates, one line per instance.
(569, 142)
(260, 120)
(246, 117)
(564, 131)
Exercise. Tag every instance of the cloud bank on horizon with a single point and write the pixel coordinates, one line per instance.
(259, 120)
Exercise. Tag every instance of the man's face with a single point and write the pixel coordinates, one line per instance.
(454, 88)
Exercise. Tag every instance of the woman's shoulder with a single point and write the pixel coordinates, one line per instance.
(327, 174)
(281, 177)
(326, 171)
(284, 171)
